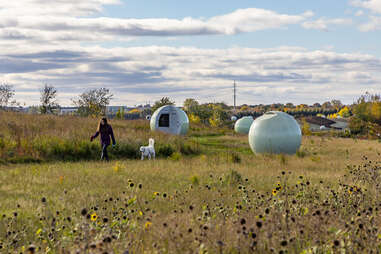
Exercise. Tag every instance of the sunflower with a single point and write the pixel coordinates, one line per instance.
(94, 217)
(274, 192)
(148, 224)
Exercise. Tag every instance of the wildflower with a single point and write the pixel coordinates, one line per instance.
(156, 193)
(43, 200)
(148, 224)
(84, 212)
(94, 217)
(274, 192)
(259, 224)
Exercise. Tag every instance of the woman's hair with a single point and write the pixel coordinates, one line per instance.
(101, 126)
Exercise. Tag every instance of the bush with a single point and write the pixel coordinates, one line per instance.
(165, 150)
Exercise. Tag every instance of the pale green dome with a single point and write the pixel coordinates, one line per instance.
(170, 119)
(243, 125)
(275, 132)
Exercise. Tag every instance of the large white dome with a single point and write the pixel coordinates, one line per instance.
(170, 119)
(275, 132)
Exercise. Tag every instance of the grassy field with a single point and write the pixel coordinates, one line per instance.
(213, 197)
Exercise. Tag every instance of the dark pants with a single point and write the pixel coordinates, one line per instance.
(104, 152)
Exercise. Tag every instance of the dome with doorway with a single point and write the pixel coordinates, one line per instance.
(243, 125)
(275, 132)
(170, 119)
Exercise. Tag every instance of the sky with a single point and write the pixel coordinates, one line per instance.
(276, 51)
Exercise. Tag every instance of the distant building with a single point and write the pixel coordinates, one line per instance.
(320, 124)
(67, 110)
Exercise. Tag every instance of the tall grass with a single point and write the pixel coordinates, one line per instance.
(49, 138)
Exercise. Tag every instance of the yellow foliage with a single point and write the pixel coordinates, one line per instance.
(134, 111)
(376, 110)
(194, 118)
(345, 112)
(306, 128)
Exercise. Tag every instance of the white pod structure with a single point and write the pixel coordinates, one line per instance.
(243, 125)
(275, 132)
(170, 119)
(233, 118)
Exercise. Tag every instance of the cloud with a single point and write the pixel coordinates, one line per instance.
(373, 5)
(373, 24)
(140, 74)
(56, 8)
(325, 23)
(65, 21)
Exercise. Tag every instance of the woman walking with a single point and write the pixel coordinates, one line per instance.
(105, 131)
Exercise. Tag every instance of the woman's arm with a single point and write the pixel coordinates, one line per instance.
(94, 136)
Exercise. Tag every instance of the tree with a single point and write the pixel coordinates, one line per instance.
(337, 104)
(93, 102)
(118, 114)
(327, 105)
(6, 94)
(162, 102)
(191, 105)
(48, 100)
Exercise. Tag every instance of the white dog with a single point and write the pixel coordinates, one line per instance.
(148, 151)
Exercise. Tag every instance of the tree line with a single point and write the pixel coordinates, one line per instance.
(92, 102)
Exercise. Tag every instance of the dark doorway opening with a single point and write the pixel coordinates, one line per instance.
(164, 120)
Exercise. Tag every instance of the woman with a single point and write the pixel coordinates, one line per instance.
(106, 131)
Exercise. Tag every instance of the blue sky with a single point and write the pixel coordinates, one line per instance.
(278, 51)
(343, 39)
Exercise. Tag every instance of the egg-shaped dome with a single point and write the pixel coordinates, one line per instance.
(170, 119)
(275, 132)
(243, 124)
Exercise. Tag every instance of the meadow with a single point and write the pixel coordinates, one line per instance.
(205, 193)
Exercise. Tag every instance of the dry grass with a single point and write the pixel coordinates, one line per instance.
(209, 203)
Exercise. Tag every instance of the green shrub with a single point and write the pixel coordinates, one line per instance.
(176, 156)
(165, 150)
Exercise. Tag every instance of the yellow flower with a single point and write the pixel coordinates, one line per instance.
(117, 167)
(38, 231)
(94, 217)
(156, 193)
(274, 192)
(148, 224)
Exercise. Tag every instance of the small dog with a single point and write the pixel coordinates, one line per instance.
(148, 151)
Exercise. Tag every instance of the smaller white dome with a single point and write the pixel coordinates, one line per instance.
(233, 118)
(243, 125)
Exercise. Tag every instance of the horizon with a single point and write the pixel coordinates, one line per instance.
(299, 52)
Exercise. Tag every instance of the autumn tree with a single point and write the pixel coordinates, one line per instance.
(162, 102)
(48, 100)
(6, 94)
(93, 102)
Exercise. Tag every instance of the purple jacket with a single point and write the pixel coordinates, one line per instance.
(105, 136)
